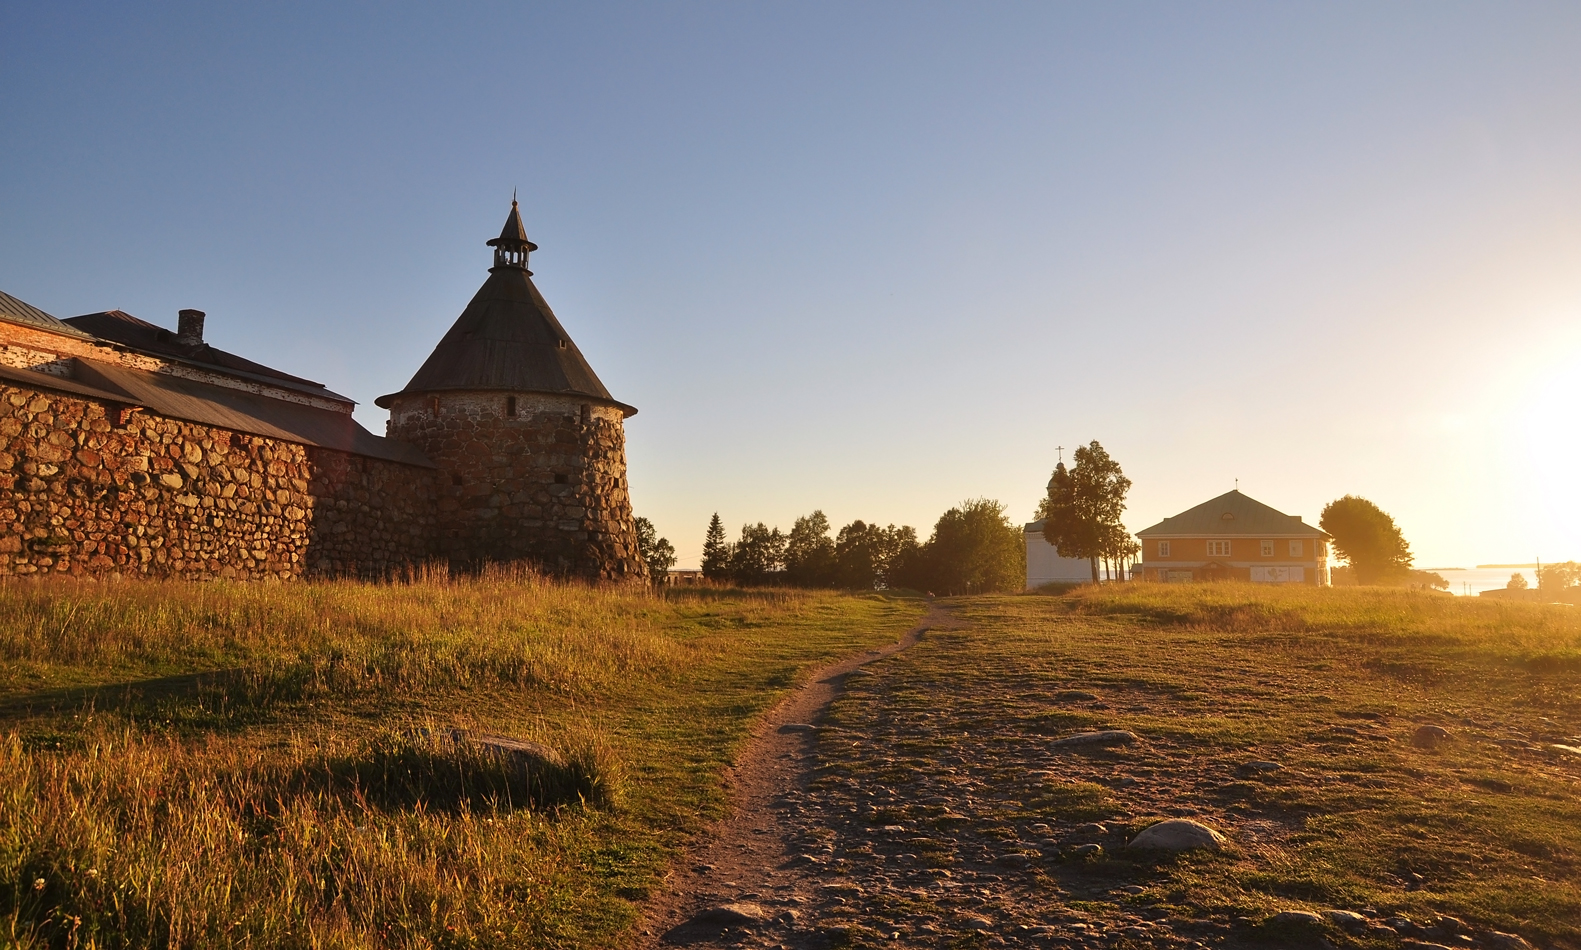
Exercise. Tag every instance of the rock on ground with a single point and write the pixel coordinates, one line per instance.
(1178, 834)
(731, 915)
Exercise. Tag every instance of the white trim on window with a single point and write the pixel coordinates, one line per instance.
(1297, 549)
(1268, 549)
(1163, 549)
(1219, 548)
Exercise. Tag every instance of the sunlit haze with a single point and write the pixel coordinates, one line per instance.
(873, 258)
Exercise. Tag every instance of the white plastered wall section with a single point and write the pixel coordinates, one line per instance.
(1045, 566)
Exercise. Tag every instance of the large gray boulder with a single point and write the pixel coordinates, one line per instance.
(1178, 834)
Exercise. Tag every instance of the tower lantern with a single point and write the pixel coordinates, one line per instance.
(512, 247)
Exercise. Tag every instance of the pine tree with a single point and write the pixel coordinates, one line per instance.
(716, 551)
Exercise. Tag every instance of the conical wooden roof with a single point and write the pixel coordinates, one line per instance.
(507, 339)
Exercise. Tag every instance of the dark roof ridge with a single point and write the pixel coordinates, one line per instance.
(131, 332)
(1233, 513)
(22, 313)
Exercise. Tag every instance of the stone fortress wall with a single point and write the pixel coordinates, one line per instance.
(529, 475)
(127, 448)
(88, 487)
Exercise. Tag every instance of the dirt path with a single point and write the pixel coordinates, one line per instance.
(742, 882)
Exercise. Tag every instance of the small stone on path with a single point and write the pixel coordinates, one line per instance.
(1107, 737)
(1289, 917)
(797, 727)
(1264, 766)
(1346, 919)
(1178, 834)
(1429, 737)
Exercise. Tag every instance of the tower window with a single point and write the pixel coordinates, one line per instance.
(433, 405)
(510, 405)
(561, 478)
(562, 344)
(587, 413)
(455, 480)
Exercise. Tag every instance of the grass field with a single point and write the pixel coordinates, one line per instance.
(1329, 686)
(224, 765)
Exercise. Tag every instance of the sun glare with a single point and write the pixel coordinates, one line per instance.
(1548, 434)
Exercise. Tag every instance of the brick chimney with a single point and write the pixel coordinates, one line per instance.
(189, 327)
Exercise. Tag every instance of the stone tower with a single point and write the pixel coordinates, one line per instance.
(531, 447)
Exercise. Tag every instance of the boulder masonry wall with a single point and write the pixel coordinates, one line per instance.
(93, 488)
(531, 476)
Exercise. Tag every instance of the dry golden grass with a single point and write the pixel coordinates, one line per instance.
(231, 765)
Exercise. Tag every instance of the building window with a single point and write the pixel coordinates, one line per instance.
(1163, 549)
(1268, 549)
(510, 405)
(1295, 548)
(1218, 549)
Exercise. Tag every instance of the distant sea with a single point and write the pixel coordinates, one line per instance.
(1477, 580)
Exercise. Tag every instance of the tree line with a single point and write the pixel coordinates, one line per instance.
(974, 548)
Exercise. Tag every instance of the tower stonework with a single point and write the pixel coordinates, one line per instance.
(530, 446)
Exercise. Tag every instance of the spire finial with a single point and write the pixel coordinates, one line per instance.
(511, 247)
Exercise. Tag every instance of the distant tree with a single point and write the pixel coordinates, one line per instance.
(658, 552)
(809, 552)
(1427, 580)
(759, 556)
(716, 551)
(1553, 578)
(975, 549)
(1120, 548)
(1517, 582)
(1368, 538)
(1081, 511)
(864, 553)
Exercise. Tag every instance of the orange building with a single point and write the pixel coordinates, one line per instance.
(1234, 537)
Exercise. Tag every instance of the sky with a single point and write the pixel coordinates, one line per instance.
(873, 258)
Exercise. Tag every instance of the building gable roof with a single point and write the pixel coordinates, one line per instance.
(117, 326)
(1232, 513)
(13, 310)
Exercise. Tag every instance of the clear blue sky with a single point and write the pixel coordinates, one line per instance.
(873, 258)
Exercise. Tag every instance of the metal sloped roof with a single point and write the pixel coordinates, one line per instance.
(1232, 513)
(235, 409)
(13, 310)
(118, 326)
(507, 339)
